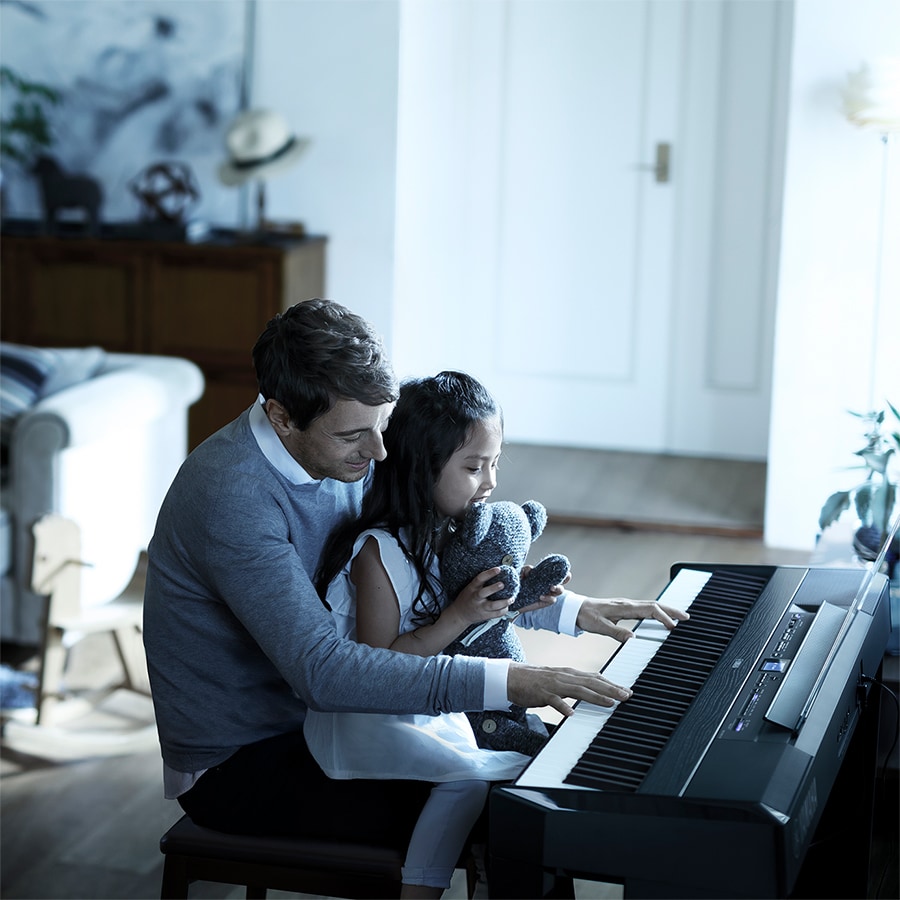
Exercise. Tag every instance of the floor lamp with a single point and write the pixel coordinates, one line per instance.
(872, 101)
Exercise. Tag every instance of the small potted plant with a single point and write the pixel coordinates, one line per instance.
(25, 131)
(875, 496)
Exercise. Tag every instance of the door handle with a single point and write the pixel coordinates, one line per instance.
(662, 167)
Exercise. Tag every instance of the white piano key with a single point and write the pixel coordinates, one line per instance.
(557, 759)
(632, 658)
(575, 734)
(680, 593)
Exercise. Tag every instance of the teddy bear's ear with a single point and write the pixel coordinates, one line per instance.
(476, 523)
(537, 517)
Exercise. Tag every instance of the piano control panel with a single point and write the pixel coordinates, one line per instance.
(746, 718)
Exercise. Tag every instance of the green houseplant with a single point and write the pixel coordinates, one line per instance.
(25, 130)
(875, 495)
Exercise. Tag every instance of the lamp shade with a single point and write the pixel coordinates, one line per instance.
(872, 95)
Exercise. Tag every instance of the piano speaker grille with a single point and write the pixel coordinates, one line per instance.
(624, 751)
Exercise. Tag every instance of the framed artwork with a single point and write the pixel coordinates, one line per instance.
(139, 83)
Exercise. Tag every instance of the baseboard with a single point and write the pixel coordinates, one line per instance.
(752, 532)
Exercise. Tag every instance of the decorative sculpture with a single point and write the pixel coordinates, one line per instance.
(166, 191)
(60, 191)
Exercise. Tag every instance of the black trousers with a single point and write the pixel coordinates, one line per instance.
(276, 788)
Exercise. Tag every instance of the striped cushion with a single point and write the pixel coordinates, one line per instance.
(23, 373)
(29, 373)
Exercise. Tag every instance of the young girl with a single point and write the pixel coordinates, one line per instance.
(379, 576)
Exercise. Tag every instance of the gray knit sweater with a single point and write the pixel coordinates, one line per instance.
(238, 642)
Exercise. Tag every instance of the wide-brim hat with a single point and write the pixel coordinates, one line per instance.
(259, 145)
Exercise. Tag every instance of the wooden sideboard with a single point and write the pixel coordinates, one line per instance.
(205, 301)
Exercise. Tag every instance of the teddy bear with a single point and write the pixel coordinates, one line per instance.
(500, 534)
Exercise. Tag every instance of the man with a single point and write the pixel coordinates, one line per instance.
(239, 644)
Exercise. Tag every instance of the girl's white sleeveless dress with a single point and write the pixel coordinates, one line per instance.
(381, 745)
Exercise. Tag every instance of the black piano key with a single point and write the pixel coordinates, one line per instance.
(624, 751)
(649, 703)
(616, 782)
(643, 720)
(627, 761)
(688, 650)
(624, 748)
(650, 725)
(637, 742)
(689, 672)
(657, 696)
(628, 766)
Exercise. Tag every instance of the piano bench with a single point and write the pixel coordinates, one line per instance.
(328, 868)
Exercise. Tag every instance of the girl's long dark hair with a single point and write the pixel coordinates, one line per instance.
(431, 421)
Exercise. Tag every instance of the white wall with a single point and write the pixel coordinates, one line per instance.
(825, 362)
(331, 69)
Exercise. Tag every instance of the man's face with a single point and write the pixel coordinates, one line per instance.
(341, 443)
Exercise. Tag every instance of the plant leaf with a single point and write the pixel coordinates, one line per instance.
(882, 505)
(894, 410)
(878, 462)
(863, 502)
(834, 506)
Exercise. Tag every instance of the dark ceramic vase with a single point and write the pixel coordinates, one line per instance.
(867, 544)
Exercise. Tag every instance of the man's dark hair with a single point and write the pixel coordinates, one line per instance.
(318, 352)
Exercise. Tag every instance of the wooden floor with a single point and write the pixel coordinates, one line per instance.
(637, 490)
(82, 828)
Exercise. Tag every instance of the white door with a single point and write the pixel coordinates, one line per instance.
(537, 244)
(584, 251)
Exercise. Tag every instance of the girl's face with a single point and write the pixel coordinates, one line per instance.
(470, 474)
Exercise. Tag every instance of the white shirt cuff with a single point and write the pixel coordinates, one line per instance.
(568, 616)
(496, 672)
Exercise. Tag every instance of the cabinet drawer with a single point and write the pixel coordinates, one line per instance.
(81, 298)
(210, 311)
(207, 302)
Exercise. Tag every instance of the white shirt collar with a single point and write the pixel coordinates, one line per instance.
(272, 448)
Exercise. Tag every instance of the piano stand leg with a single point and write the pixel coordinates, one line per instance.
(514, 880)
(563, 887)
(837, 861)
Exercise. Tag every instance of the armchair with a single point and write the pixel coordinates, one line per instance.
(100, 452)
